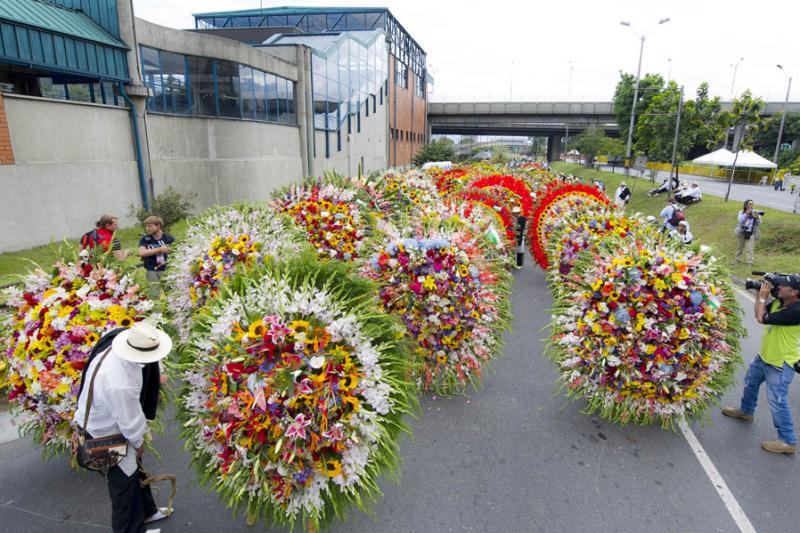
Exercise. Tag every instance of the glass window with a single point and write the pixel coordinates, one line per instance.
(52, 90)
(282, 100)
(79, 92)
(151, 72)
(201, 76)
(173, 72)
(260, 94)
(291, 116)
(248, 96)
(228, 88)
(316, 23)
(272, 97)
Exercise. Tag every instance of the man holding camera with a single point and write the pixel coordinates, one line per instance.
(780, 353)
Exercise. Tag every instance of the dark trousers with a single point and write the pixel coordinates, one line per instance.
(130, 502)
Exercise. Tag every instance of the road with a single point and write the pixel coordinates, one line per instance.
(514, 457)
(762, 196)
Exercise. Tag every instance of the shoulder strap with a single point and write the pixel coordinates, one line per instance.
(90, 394)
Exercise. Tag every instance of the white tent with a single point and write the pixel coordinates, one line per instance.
(725, 158)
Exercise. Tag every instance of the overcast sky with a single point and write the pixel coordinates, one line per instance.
(522, 50)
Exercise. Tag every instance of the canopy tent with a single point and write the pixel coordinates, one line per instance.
(726, 158)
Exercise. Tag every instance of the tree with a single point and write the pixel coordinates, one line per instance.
(655, 129)
(767, 136)
(466, 139)
(745, 115)
(500, 153)
(438, 150)
(649, 86)
(708, 128)
(593, 142)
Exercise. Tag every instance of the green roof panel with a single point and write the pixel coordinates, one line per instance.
(56, 19)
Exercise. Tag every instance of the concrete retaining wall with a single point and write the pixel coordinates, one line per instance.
(73, 162)
(370, 144)
(220, 160)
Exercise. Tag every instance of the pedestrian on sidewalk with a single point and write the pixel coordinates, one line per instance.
(154, 250)
(115, 398)
(747, 232)
(780, 353)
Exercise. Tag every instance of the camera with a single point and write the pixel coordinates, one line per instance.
(760, 213)
(775, 279)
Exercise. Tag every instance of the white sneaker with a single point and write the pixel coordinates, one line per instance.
(153, 530)
(161, 514)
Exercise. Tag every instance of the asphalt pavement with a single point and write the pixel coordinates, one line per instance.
(515, 456)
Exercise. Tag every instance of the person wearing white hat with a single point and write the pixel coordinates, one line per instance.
(114, 379)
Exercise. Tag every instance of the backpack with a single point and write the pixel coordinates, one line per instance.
(677, 217)
(89, 239)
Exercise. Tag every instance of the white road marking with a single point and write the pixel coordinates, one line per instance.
(746, 294)
(713, 474)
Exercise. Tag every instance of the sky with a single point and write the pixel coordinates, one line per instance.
(558, 51)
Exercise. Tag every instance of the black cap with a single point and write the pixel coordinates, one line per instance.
(792, 280)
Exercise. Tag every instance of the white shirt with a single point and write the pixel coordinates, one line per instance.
(115, 406)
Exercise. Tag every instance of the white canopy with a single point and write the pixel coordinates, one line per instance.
(725, 158)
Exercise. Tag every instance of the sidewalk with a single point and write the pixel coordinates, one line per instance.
(762, 196)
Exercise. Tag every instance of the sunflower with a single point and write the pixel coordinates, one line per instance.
(441, 359)
(299, 326)
(333, 468)
(126, 322)
(91, 338)
(256, 330)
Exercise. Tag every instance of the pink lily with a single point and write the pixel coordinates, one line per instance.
(297, 429)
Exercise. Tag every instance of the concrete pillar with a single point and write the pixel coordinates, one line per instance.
(136, 90)
(553, 147)
(304, 109)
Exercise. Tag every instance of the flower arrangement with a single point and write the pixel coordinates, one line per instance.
(584, 231)
(503, 211)
(219, 244)
(451, 298)
(406, 193)
(559, 205)
(646, 333)
(449, 181)
(523, 196)
(295, 392)
(56, 320)
(334, 218)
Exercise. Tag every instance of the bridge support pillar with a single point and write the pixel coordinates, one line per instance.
(553, 147)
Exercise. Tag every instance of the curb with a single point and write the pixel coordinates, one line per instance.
(8, 428)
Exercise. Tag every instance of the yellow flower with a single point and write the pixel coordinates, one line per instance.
(333, 468)
(299, 326)
(256, 330)
(429, 283)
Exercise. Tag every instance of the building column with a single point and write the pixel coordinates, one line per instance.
(303, 109)
(553, 147)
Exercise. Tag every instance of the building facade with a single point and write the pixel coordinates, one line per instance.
(100, 111)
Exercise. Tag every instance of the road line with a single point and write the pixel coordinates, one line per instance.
(713, 474)
(746, 294)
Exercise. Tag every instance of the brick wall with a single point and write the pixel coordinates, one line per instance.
(6, 151)
(407, 120)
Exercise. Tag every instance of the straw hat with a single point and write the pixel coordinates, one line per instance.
(142, 343)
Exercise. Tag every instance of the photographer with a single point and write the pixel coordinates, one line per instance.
(780, 352)
(747, 232)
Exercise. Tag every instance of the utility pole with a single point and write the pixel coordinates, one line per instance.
(783, 117)
(675, 144)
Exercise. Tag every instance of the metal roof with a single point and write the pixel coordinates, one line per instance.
(288, 10)
(42, 36)
(325, 43)
(56, 19)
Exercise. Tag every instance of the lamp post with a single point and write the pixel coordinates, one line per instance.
(783, 116)
(733, 81)
(569, 103)
(636, 91)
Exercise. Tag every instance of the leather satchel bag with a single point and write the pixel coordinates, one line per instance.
(101, 453)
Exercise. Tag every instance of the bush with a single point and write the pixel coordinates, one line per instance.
(438, 150)
(170, 205)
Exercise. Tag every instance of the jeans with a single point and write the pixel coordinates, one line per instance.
(778, 381)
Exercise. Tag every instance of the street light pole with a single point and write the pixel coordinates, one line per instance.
(629, 146)
(569, 103)
(675, 144)
(783, 116)
(733, 81)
